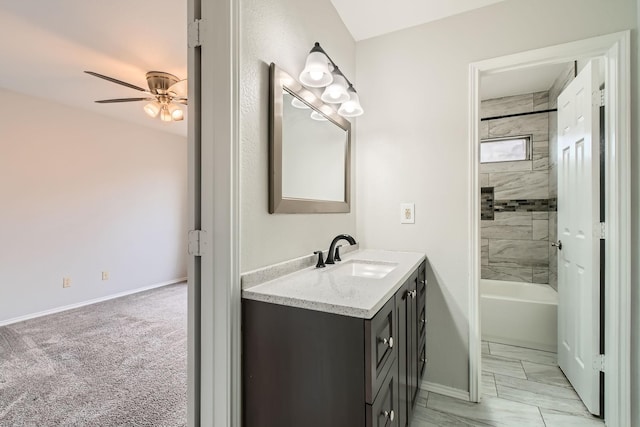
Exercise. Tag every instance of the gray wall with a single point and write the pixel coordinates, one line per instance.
(283, 32)
(83, 193)
(413, 142)
(515, 210)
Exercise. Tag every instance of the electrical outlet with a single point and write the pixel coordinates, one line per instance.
(66, 282)
(105, 275)
(407, 213)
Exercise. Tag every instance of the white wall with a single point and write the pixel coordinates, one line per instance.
(283, 32)
(80, 194)
(413, 142)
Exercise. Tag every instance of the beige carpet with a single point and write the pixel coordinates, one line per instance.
(117, 363)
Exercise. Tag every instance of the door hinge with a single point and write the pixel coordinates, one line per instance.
(193, 33)
(598, 98)
(599, 363)
(197, 242)
(603, 230)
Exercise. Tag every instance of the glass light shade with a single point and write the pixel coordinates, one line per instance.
(176, 113)
(316, 71)
(153, 108)
(352, 107)
(317, 116)
(336, 92)
(299, 104)
(165, 114)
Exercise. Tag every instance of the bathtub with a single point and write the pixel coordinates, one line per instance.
(521, 314)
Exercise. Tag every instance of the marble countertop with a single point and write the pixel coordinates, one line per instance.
(334, 290)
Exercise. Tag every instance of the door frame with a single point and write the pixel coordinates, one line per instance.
(214, 360)
(615, 50)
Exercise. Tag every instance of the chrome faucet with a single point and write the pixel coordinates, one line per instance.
(330, 255)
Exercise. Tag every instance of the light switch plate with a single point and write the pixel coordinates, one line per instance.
(407, 213)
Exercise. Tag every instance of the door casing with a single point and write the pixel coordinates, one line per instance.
(614, 49)
(214, 396)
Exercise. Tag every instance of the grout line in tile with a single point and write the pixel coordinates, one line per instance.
(519, 346)
(469, 421)
(542, 416)
(495, 384)
(524, 370)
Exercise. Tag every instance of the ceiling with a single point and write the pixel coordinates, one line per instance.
(371, 18)
(518, 82)
(51, 43)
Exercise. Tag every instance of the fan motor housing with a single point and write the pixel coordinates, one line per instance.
(159, 82)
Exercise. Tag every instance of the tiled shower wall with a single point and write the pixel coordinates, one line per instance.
(515, 195)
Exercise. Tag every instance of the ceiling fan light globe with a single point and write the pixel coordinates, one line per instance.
(152, 109)
(176, 113)
(165, 114)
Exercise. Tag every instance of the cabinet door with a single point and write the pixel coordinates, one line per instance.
(384, 410)
(422, 320)
(412, 327)
(403, 386)
(381, 334)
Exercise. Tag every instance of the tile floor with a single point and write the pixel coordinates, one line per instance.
(520, 387)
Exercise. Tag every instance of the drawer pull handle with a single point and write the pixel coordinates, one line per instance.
(424, 282)
(389, 414)
(424, 360)
(423, 321)
(412, 294)
(387, 342)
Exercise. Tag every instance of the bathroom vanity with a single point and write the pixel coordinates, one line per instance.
(338, 346)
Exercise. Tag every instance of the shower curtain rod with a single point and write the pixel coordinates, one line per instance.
(506, 116)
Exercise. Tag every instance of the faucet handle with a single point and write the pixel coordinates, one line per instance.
(336, 256)
(320, 263)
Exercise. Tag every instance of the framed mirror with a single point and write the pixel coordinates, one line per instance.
(309, 151)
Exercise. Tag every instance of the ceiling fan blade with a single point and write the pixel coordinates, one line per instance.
(178, 89)
(180, 101)
(120, 82)
(108, 101)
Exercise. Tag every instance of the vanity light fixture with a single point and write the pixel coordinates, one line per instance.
(351, 108)
(298, 104)
(321, 71)
(317, 116)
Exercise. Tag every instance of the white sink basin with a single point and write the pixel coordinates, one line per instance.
(363, 268)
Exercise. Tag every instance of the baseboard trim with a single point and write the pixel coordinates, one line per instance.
(89, 302)
(444, 390)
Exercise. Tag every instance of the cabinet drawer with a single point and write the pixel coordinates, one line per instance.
(384, 410)
(380, 334)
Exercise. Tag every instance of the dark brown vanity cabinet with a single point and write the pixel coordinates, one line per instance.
(309, 368)
(410, 309)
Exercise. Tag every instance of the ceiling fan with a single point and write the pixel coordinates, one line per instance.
(165, 93)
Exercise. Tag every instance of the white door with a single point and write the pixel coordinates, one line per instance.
(578, 230)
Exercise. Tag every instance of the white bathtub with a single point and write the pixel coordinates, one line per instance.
(521, 314)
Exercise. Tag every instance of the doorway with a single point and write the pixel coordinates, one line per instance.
(614, 50)
(520, 203)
